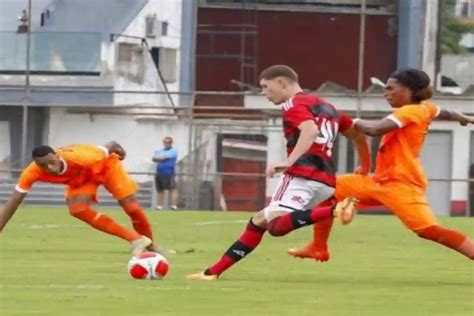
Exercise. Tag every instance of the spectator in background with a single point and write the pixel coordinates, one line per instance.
(166, 158)
(23, 26)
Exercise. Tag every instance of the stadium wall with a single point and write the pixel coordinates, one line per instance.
(279, 38)
(139, 136)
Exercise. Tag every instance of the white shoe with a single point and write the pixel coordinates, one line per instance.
(138, 246)
(174, 207)
(159, 207)
(346, 210)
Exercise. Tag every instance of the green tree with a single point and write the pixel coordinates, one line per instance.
(452, 28)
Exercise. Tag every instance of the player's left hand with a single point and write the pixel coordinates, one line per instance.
(116, 148)
(466, 120)
(277, 168)
(362, 170)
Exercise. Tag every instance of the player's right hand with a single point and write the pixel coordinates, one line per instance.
(466, 120)
(277, 168)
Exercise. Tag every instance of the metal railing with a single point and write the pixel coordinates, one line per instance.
(207, 193)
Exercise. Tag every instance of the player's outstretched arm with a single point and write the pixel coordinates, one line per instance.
(10, 208)
(361, 145)
(375, 128)
(447, 115)
(115, 148)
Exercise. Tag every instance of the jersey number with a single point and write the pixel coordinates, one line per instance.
(327, 134)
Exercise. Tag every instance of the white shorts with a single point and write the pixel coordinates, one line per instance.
(297, 194)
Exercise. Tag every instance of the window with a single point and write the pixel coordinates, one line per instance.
(464, 9)
(128, 52)
(167, 62)
(164, 28)
(150, 25)
(471, 176)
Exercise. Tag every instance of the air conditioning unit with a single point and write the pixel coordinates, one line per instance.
(155, 28)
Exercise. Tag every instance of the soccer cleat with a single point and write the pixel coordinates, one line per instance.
(345, 210)
(174, 208)
(201, 277)
(139, 245)
(310, 251)
(161, 250)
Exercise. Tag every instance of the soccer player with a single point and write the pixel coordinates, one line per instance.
(399, 181)
(82, 168)
(310, 127)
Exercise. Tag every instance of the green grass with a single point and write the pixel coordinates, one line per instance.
(52, 264)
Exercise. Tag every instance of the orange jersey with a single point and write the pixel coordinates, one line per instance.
(82, 163)
(398, 157)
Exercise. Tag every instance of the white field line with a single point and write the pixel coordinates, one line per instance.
(23, 312)
(102, 287)
(58, 226)
(48, 226)
(220, 222)
(52, 286)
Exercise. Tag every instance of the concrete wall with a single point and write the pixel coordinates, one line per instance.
(143, 75)
(140, 137)
(460, 156)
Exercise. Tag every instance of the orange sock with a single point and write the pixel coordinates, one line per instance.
(321, 231)
(139, 219)
(449, 238)
(101, 222)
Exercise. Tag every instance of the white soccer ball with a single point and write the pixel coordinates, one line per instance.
(148, 266)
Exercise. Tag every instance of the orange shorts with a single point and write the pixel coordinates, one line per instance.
(114, 178)
(407, 202)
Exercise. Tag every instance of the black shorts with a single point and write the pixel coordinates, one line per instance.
(165, 183)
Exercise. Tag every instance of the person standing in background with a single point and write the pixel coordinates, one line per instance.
(166, 158)
(24, 22)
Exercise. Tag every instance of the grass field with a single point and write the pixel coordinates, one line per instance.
(52, 264)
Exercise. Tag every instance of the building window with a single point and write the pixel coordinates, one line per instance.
(150, 26)
(464, 10)
(167, 62)
(164, 28)
(127, 52)
(471, 176)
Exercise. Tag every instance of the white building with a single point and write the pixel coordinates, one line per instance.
(81, 51)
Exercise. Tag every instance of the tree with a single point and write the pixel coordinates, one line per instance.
(452, 28)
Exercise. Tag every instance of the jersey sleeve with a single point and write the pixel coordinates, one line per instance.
(28, 177)
(298, 114)
(409, 114)
(433, 109)
(345, 121)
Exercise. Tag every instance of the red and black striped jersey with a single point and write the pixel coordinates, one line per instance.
(317, 163)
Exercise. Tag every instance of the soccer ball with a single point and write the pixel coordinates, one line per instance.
(148, 266)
